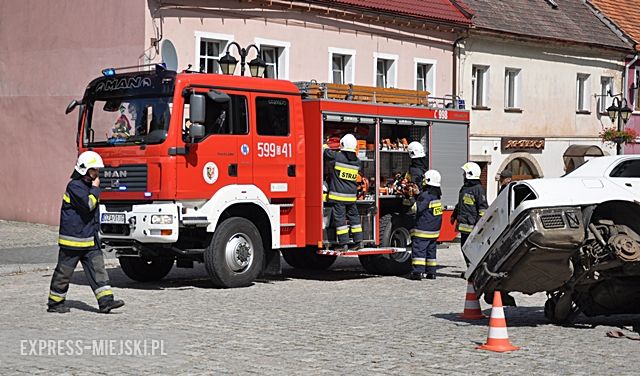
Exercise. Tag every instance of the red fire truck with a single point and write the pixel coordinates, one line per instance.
(228, 170)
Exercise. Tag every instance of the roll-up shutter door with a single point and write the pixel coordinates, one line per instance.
(449, 151)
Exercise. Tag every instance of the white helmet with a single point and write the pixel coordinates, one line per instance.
(432, 178)
(348, 143)
(471, 170)
(416, 150)
(87, 160)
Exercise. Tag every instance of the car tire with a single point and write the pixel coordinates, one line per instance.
(146, 269)
(235, 254)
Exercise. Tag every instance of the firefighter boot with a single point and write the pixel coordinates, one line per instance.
(109, 305)
(415, 276)
(429, 276)
(58, 308)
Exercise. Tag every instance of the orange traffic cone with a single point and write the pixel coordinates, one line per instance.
(498, 339)
(472, 310)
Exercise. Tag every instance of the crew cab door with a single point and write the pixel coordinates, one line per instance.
(211, 162)
(274, 157)
(627, 175)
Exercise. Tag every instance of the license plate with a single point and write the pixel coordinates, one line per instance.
(112, 218)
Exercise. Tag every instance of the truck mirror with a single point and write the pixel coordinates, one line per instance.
(197, 108)
(196, 131)
(218, 96)
(74, 103)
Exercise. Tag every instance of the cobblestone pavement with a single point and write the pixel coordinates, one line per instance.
(337, 322)
(22, 235)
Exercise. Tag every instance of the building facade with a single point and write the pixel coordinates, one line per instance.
(49, 52)
(537, 89)
(625, 16)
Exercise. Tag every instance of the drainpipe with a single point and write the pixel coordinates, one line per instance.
(625, 88)
(455, 71)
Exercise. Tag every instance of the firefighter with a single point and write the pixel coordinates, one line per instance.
(78, 238)
(419, 165)
(472, 203)
(427, 230)
(343, 190)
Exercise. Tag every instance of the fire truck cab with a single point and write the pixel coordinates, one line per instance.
(228, 170)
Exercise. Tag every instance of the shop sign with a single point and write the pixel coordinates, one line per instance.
(522, 144)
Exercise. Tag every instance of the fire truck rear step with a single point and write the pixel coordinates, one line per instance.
(362, 252)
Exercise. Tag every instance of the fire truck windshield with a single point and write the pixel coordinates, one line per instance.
(127, 121)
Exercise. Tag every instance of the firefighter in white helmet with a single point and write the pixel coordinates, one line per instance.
(78, 237)
(427, 230)
(419, 165)
(472, 203)
(343, 191)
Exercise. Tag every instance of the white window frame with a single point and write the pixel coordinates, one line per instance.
(283, 57)
(583, 88)
(350, 67)
(392, 72)
(225, 39)
(517, 88)
(430, 84)
(606, 86)
(485, 69)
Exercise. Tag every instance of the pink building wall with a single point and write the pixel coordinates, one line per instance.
(310, 37)
(49, 51)
(634, 121)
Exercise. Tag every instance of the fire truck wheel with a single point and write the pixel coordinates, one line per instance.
(145, 270)
(394, 232)
(235, 255)
(368, 264)
(307, 258)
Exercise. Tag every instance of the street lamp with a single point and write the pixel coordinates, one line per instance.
(620, 109)
(228, 63)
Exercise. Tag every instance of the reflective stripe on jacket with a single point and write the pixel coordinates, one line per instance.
(472, 203)
(79, 221)
(344, 172)
(428, 216)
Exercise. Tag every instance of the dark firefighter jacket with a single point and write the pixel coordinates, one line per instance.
(79, 222)
(428, 214)
(344, 172)
(472, 203)
(417, 169)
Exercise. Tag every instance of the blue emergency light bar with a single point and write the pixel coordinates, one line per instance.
(112, 71)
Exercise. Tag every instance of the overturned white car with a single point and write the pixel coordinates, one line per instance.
(575, 237)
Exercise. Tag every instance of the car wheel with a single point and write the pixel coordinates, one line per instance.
(235, 255)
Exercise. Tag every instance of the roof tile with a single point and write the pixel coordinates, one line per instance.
(571, 20)
(625, 14)
(439, 10)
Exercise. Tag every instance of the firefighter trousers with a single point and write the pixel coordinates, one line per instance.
(93, 265)
(463, 239)
(423, 255)
(341, 212)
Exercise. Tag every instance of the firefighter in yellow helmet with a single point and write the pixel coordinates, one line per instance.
(78, 238)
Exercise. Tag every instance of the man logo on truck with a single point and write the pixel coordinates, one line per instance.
(123, 83)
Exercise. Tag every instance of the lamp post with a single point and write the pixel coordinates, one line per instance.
(620, 109)
(228, 63)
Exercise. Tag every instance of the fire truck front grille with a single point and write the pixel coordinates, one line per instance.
(551, 221)
(125, 178)
(115, 229)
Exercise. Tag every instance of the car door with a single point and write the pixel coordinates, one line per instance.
(626, 174)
